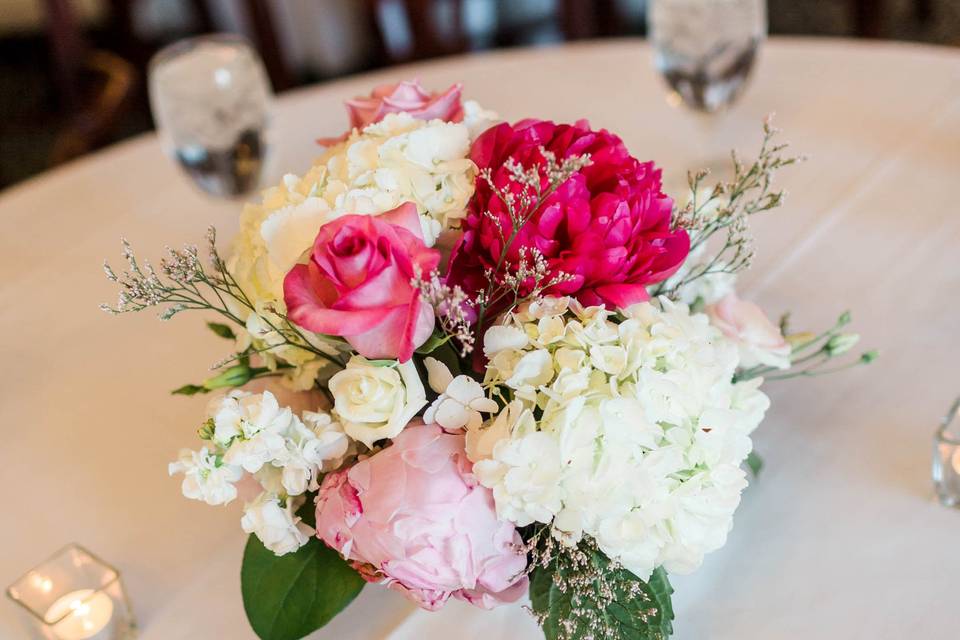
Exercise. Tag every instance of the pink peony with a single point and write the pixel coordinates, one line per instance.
(413, 517)
(357, 283)
(759, 340)
(608, 226)
(403, 97)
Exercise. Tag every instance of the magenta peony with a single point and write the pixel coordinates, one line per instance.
(413, 517)
(402, 97)
(357, 283)
(608, 226)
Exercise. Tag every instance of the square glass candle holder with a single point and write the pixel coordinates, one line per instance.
(74, 595)
(946, 458)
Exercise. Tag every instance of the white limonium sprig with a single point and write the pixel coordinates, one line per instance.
(183, 283)
(726, 208)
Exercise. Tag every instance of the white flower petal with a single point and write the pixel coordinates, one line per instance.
(438, 375)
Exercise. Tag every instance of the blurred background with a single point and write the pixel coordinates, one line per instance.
(72, 71)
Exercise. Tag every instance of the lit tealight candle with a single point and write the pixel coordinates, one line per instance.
(84, 614)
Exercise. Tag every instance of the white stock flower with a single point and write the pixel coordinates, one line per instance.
(376, 402)
(206, 476)
(253, 433)
(641, 431)
(277, 526)
(460, 401)
(263, 426)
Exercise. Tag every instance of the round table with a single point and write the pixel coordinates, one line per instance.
(840, 537)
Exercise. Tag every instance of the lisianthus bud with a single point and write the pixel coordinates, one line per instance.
(236, 376)
(841, 343)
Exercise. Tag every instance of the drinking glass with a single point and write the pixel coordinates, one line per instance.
(210, 98)
(705, 49)
(946, 458)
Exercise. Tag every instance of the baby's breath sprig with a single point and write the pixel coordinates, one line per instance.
(525, 193)
(449, 305)
(591, 597)
(727, 207)
(183, 283)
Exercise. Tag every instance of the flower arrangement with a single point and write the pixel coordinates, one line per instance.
(516, 368)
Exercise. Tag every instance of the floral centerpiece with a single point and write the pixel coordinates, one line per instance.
(507, 366)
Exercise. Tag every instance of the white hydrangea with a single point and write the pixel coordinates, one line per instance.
(460, 401)
(285, 454)
(641, 431)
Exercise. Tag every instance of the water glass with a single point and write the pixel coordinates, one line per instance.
(946, 458)
(705, 49)
(74, 596)
(210, 98)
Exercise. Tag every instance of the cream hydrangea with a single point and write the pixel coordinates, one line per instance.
(641, 431)
(399, 159)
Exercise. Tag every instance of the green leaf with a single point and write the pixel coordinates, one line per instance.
(640, 610)
(382, 363)
(290, 596)
(189, 390)
(222, 330)
(755, 463)
(436, 339)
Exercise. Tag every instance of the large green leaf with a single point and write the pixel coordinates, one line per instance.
(640, 610)
(288, 597)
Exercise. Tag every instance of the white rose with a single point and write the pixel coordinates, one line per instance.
(277, 527)
(375, 402)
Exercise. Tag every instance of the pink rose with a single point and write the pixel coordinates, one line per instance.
(759, 340)
(608, 226)
(413, 517)
(403, 97)
(357, 283)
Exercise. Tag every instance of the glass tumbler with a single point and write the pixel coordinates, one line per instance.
(210, 98)
(74, 596)
(946, 458)
(705, 49)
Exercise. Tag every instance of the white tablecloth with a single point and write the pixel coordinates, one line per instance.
(839, 538)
